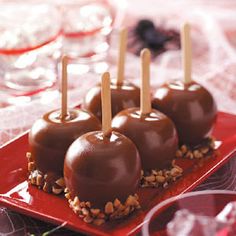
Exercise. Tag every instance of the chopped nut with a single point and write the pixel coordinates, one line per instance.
(29, 156)
(154, 172)
(56, 190)
(98, 222)
(76, 200)
(167, 173)
(184, 149)
(109, 209)
(204, 150)
(131, 201)
(33, 179)
(88, 219)
(34, 174)
(212, 144)
(67, 195)
(179, 168)
(31, 166)
(160, 179)
(197, 154)
(178, 154)
(96, 216)
(175, 172)
(121, 207)
(150, 178)
(76, 208)
(189, 155)
(80, 215)
(145, 185)
(61, 182)
(116, 203)
(95, 212)
(85, 212)
(126, 211)
(39, 180)
(46, 187)
(88, 204)
(165, 185)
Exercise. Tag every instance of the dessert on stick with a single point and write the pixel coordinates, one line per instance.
(153, 133)
(187, 103)
(50, 137)
(102, 170)
(123, 93)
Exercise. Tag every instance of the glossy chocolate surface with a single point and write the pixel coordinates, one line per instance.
(154, 135)
(49, 137)
(122, 97)
(99, 169)
(191, 107)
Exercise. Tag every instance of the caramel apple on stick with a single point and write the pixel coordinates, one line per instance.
(103, 167)
(186, 102)
(153, 133)
(123, 93)
(50, 137)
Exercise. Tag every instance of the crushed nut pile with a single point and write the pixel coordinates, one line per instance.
(200, 151)
(112, 210)
(39, 179)
(161, 178)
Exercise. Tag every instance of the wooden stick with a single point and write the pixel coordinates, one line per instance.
(186, 53)
(145, 98)
(121, 60)
(64, 88)
(106, 104)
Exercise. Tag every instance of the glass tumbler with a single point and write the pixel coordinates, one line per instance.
(86, 27)
(30, 46)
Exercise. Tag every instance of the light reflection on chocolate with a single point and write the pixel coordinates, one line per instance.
(153, 134)
(122, 96)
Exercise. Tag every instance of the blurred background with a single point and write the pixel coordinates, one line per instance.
(34, 34)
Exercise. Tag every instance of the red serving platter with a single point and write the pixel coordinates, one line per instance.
(16, 194)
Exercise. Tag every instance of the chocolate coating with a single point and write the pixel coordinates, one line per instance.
(100, 169)
(153, 134)
(122, 97)
(191, 107)
(49, 137)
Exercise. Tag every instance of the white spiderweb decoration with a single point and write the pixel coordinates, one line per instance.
(214, 66)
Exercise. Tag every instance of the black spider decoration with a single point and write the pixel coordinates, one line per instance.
(157, 39)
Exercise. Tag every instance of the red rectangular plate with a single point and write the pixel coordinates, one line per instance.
(16, 194)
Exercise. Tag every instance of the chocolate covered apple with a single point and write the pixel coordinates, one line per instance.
(102, 171)
(153, 133)
(187, 103)
(123, 93)
(49, 139)
(190, 106)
